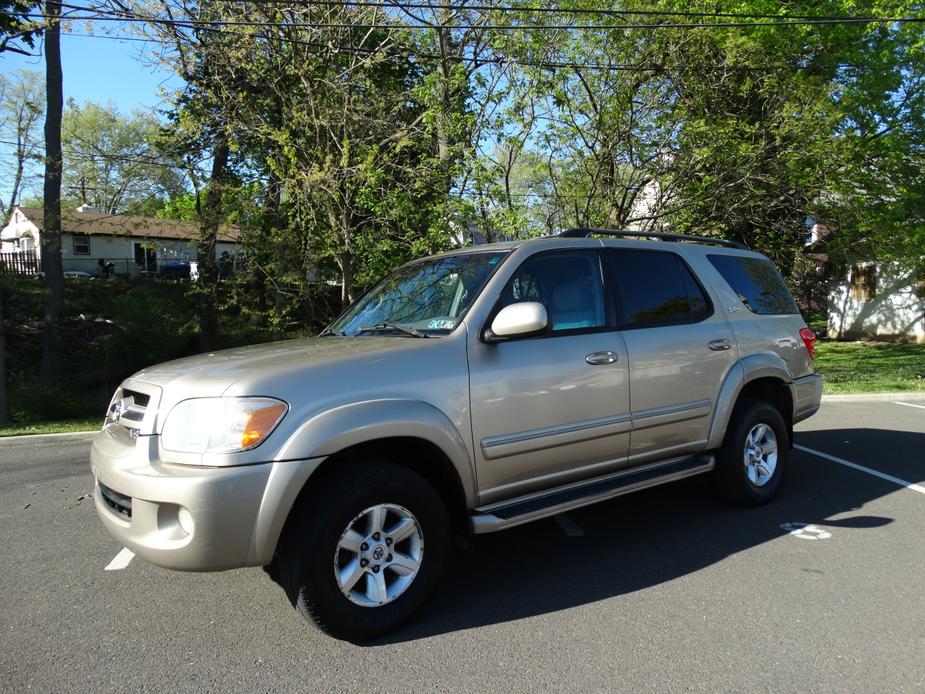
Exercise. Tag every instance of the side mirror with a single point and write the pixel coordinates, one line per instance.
(523, 319)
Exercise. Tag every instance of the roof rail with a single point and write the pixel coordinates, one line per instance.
(582, 232)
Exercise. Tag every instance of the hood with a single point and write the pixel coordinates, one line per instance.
(214, 373)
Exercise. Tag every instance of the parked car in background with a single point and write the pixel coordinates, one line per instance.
(465, 393)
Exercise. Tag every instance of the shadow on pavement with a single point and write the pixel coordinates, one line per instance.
(644, 539)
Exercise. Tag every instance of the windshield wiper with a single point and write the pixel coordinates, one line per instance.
(331, 331)
(384, 325)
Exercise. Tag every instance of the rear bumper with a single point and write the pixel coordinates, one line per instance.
(806, 393)
(193, 518)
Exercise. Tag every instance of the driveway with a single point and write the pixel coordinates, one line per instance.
(668, 589)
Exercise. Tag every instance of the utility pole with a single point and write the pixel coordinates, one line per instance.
(51, 232)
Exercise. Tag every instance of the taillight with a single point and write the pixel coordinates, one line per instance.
(809, 339)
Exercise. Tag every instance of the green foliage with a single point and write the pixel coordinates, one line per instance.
(113, 328)
(16, 26)
(117, 163)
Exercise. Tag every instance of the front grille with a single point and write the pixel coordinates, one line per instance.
(117, 503)
(140, 400)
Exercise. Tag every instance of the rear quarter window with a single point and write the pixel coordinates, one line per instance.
(756, 282)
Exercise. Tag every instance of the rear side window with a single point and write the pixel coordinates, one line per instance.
(657, 288)
(756, 282)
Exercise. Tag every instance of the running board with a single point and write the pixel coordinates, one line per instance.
(507, 514)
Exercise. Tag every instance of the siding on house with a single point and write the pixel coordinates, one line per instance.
(877, 300)
(113, 238)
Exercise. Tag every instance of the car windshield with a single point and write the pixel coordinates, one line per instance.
(423, 299)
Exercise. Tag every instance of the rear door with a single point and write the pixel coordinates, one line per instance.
(680, 348)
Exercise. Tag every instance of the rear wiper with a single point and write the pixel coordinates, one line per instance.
(384, 325)
(331, 331)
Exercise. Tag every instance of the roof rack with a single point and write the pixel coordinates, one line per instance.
(582, 232)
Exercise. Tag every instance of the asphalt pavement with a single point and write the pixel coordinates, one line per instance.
(665, 590)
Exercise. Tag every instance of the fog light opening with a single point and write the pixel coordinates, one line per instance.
(185, 519)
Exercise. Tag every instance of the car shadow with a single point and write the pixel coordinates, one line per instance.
(645, 539)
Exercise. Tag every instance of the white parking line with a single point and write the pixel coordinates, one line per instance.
(909, 404)
(569, 527)
(876, 473)
(121, 560)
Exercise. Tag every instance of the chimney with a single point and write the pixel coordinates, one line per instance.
(86, 208)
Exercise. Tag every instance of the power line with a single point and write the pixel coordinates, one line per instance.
(534, 9)
(475, 61)
(194, 23)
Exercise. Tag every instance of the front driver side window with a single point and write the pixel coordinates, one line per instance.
(567, 283)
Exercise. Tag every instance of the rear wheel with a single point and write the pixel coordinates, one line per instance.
(365, 550)
(751, 463)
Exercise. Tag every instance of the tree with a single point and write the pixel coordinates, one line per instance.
(16, 26)
(51, 233)
(21, 108)
(117, 163)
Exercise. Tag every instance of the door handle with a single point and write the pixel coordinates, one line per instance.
(720, 345)
(601, 358)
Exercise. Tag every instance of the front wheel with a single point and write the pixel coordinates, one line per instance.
(365, 550)
(751, 463)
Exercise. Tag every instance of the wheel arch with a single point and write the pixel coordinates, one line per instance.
(405, 432)
(760, 376)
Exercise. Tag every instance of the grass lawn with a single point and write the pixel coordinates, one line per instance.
(52, 427)
(870, 367)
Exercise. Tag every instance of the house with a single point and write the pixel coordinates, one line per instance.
(134, 245)
(877, 299)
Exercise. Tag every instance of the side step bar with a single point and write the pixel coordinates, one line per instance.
(507, 514)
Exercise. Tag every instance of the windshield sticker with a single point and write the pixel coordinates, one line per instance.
(494, 260)
(441, 324)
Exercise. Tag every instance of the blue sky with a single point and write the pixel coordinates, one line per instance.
(96, 69)
(102, 70)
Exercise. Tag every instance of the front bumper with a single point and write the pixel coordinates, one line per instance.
(806, 393)
(235, 514)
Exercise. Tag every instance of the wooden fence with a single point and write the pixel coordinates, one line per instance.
(19, 263)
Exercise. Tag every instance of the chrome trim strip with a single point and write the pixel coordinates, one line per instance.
(671, 409)
(518, 437)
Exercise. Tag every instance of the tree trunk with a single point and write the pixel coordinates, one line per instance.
(17, 182)
(4, 409)
(346, 275)
(51, 233)
(210, 221)
(269, 222)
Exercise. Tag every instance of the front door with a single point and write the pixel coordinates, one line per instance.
(145, 257)
(548, 410)
(679, 348)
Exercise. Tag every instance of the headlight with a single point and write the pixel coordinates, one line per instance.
(220, 425)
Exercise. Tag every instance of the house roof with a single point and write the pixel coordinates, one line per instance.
(98, 223)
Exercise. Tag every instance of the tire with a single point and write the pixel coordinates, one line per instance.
(745, 475)
(319, 550)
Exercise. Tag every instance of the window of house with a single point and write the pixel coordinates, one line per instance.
(81, 244)
(657, 288)
(863, 282)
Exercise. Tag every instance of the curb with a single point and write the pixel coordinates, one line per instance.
(39, 437)
(874, 397)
